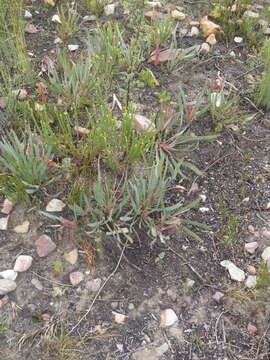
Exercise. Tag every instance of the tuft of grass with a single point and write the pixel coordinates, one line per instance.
(25, 165)
(229, 225)
(264, 87)
(97, 6)
(69, 18)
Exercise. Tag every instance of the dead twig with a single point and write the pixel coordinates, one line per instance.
(188, 264)
(99, 291)
(261, 339)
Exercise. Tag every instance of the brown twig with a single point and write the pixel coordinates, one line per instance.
(188, 264)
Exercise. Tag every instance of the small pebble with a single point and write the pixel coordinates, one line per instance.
(251, 281)
(9, 274)
(4, 223)
(76, 277)
(71, 257)
(194, 31)
(252, 329)
(119, 318)
(178, 15)
(251, 269)
(23, 263)
(238, 39)
(56, 19)
(251, 247)
(23, 228)
(131, 307)
(44, 245)
(205, 48)
(27, 14)
(73, 47)
(6, 286)
(37, 284)
(211, 39)
(109, 9)
(55, 205)
(218, 295)
(167, 318)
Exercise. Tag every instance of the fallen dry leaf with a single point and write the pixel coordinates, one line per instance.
(67, 223)
(209, 27)
(49, 2)
(163, 56)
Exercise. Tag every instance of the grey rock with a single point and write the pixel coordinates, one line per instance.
(23, 263)
(131, 307)
(76, 277)
(37, 284)
(6, 286)
(167, 318)
(9, 274)
(151, 354)
(251, 247)
(251, 281)
(44, 245)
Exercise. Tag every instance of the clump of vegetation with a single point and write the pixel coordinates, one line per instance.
(264, 93)
(234, 22)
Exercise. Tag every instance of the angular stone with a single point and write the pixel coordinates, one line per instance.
(205, 48)
(251, 247)
(167, 318)
(23, 228)
(251, 281)
(235, 273)
(93, 285)
(251, 269)
(119, 318)
(44, 245)
(76, 277)
(56, 19)
(71, 257)
(194, 31)
(7, 207)
(142, 123)
(151, 354)
(9, 274)
(37, 284)
(211, 39)
(23, 263)
(4, 223)
(73, 47)
(109, 9)
(218, 295)
(252, 329)
(6, 286)
(55, 205)
(27, 14)
(178, 15)
(31, 29)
